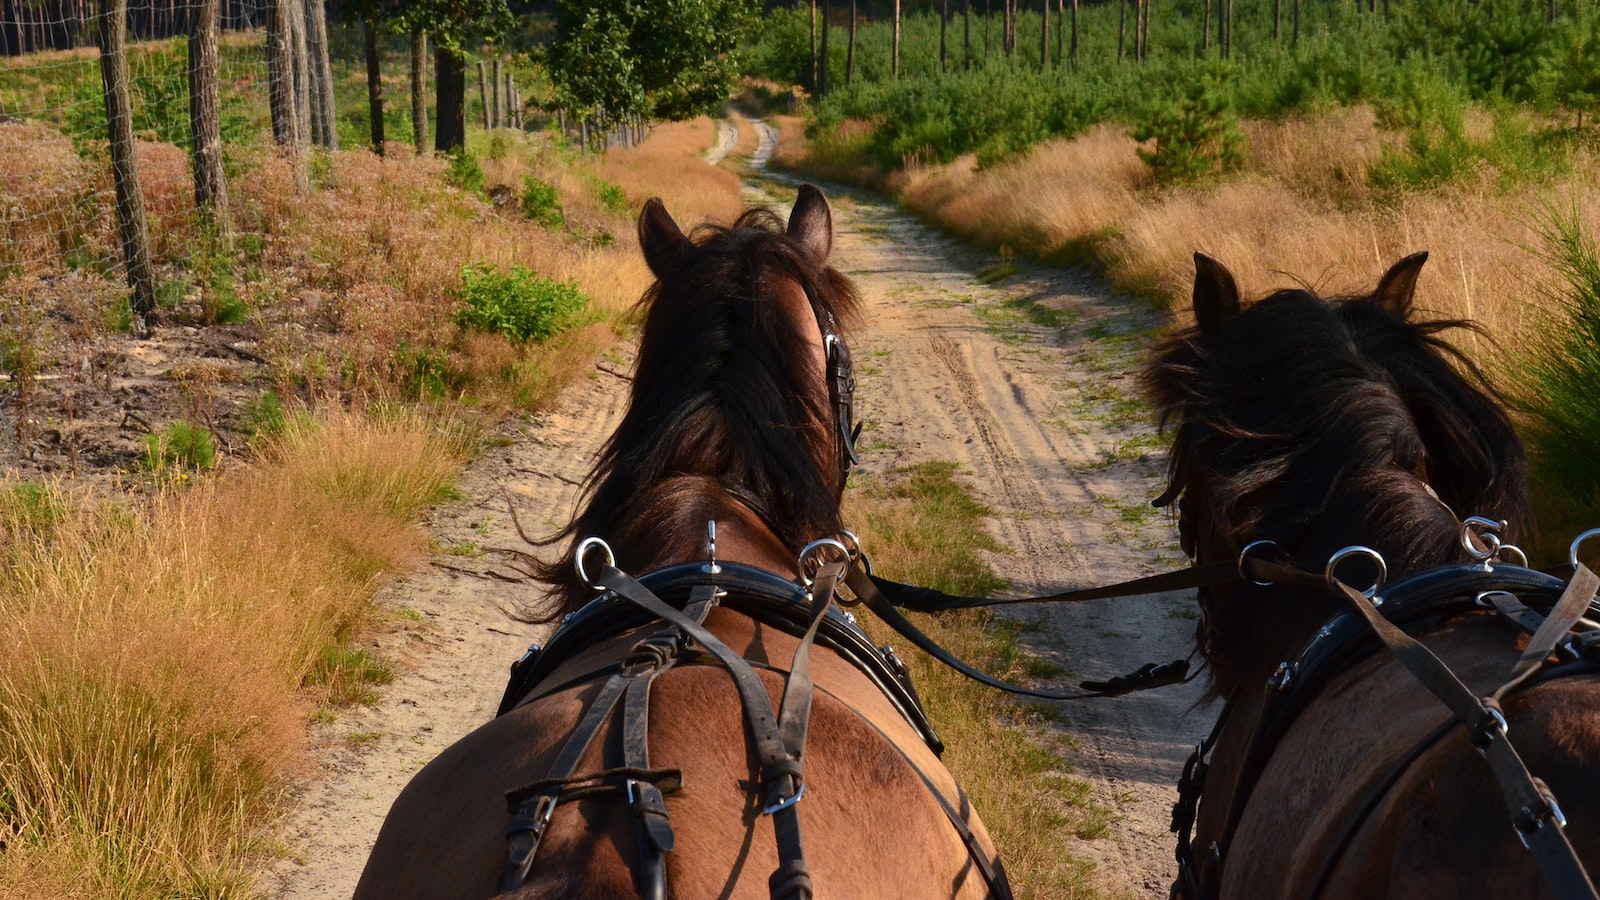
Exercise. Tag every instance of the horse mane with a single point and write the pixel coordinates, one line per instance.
(1304, 420)
(719, 411)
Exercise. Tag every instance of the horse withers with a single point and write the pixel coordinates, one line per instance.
(1302, 426)
(660, 743)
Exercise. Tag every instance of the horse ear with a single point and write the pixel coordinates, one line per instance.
(660, 238)
(1399, 285)
(811, 223)
(1216, 294)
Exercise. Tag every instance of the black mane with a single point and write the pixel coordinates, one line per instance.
(719, 409)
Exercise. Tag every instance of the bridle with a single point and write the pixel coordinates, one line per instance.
(841, 375)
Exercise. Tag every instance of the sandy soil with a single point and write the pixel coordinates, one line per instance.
(1040, 410)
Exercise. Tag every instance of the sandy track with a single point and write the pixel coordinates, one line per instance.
(951, 369)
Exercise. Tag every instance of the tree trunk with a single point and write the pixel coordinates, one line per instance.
(419, 91)
(944, 22)
(1044, 37)
(1122, 27)
(483, 96)
(1227, 48)
(205, 129)
(498, 120)
(1061, 25)
(305, 129)
(374, 85)
(1295, 41)
(966, 34)
(119, 123)
(450, 94)
(850, 50)
(894, 62)
(1277, 21)
(1205, 27)
(1144, 29)
(1074, 30)
(280, 72)
(812, 84)
(988, 17)
(322, 74)
(827, 7)
(1222, 30)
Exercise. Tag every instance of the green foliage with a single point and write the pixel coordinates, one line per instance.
(264, 417)
(541, 203)
(424, 373)
(667, 59)
(1568, 77)
(182, 445)
(1562, 373)
(32, 507)
(611, 196)
(518, 304)
(1196, 137)
(464, 172)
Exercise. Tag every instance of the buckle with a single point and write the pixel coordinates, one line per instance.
(1489, 727)
(786, 802)
(1529, 822)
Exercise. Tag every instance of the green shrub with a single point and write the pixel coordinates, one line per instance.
(424, 373)
(183, 445)
(1195, 137)
(464, 172)
(264, 417)
(31, 506)
(1562, 371)
(519, 304)
(611, 196)
(541, 202)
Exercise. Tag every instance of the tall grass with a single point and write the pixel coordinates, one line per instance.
(1561, 378)
(922, 525)
(160, 659)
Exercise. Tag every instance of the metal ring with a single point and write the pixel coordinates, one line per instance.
(1572, 552)
(808, 565)
(1355, 550)
(584, 546)
(1484, 530)
(1245, 555)
(852, 544)
(1507, 549)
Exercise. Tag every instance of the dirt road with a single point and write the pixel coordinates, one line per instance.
(1025, 379)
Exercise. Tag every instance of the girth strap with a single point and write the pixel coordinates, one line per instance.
(1533, 808)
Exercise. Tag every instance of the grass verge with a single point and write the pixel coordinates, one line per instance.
(922, 525)
(163, 661)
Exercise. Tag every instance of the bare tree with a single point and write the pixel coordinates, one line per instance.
(205, 128)
(321, 71)
(894, 63)
(850, 51)
(419, 90)
(374, 82)
(135, 232)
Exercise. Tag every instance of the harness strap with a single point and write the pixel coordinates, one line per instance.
(866, 588)
(653, 828)
(1533, 808)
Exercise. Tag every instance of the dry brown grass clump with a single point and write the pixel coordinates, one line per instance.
(160, 658)
(670, 164)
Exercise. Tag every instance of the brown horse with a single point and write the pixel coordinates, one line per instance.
(739, 416)
(1317, 424)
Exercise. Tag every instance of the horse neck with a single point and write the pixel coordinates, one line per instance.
(1256, 628)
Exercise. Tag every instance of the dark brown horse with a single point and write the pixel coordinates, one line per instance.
(739, 415)
(1318, 424)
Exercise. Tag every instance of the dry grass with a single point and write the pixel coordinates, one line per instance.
(154, 696)
(1303, 213)
(924, 527)
(670, 164)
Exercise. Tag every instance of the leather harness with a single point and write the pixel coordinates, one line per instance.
(778, 738)
(1381, 623)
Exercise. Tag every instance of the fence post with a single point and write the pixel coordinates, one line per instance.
(483, 94)
(498, 119)
(321, 75)
(419, 93)
(205, 127)
(119, 122)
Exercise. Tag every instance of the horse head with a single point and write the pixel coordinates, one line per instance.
(1315, 424)
(740, 407)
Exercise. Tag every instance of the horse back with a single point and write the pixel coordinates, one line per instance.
(1371, 792)
(869, 823)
